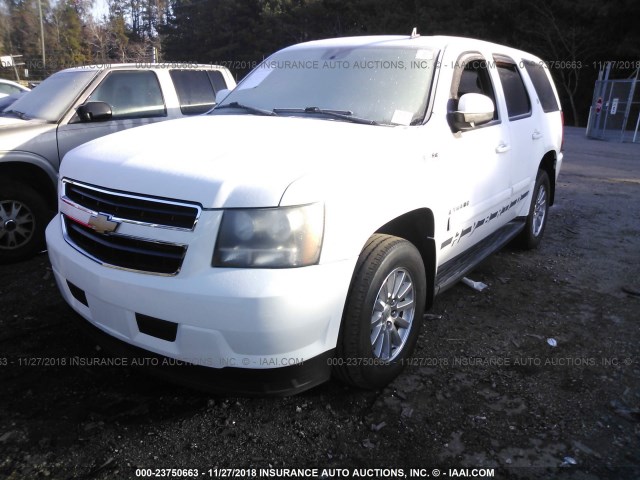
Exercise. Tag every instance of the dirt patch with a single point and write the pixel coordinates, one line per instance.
(537, 376)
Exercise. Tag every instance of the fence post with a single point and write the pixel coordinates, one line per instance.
(627, 111)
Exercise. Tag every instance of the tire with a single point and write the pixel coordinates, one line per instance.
(531, 236)
(23, 218)
(383, 313)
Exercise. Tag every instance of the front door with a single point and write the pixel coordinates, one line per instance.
(135, 98)
(479, 162)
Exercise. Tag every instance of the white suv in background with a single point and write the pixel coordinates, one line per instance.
(304, 226)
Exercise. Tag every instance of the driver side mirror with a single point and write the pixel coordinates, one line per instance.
(95, 112)
(474, 109)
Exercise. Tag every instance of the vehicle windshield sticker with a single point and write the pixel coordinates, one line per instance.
(423, 54)
(402, 117)
(256, 78)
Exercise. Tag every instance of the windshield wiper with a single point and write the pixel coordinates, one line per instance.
(341, 114)
(20, 115)
(249, 108)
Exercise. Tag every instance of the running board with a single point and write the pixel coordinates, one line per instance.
(456, 268)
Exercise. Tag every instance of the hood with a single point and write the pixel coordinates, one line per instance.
(228, 161)
(25, 135)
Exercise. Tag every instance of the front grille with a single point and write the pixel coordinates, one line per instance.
(126, 252)
(111, 248)
(133, 208)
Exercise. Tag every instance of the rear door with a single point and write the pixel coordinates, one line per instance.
(525, 130)
(546, 99)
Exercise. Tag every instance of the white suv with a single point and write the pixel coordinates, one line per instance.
(304, 226)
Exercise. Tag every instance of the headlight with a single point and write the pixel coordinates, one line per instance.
(270, 237)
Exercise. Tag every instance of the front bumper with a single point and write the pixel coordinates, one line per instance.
(229, 380)
(229, 320)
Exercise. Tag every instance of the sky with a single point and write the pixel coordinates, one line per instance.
(100, 9)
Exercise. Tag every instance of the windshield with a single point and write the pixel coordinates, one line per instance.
(381, 84)
(53, 97)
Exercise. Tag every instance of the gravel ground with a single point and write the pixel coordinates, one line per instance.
(538, 376)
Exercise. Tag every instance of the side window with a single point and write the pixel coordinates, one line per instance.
(217, 80)
(515, 93)
(196, 90)
(131, 94)
(474, 78)
(542, 85)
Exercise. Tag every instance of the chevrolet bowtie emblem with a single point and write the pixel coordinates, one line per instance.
(102, 223)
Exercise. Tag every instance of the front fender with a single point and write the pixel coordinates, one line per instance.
(16, 160)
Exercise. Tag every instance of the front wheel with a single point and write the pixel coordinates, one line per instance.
(538, 213)
(383, 313)
(23, 217)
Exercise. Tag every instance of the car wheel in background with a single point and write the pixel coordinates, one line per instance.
(23, 218)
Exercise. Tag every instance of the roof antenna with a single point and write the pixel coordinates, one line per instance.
(414, 33)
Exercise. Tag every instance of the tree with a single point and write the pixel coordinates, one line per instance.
(215, 31)
(68, 44)
(564, 36)
(117, 32)
(24, 30)
(5, 28)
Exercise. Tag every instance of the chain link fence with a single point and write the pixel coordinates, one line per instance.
(615, 111)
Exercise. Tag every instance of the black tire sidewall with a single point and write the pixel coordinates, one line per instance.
(365, 370)
(529, 240)
(42, 214)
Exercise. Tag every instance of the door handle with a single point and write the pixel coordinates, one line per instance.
(503, 148)
(536, 135)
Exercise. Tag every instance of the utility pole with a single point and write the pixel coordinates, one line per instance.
(41, 32)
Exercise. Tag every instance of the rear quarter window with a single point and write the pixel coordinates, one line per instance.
(543, 87)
